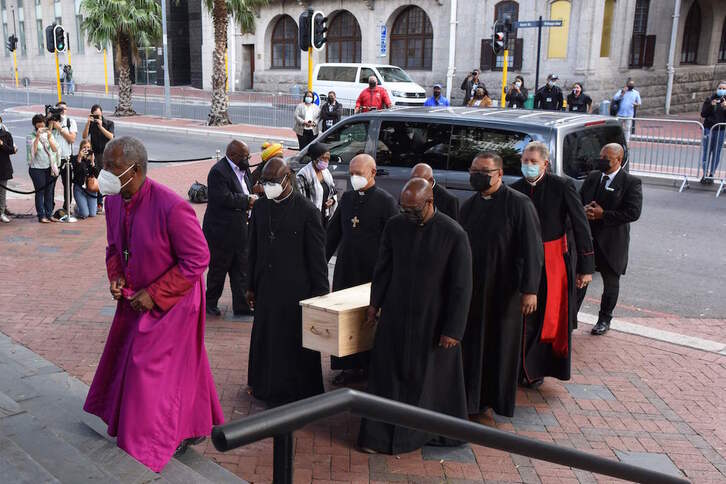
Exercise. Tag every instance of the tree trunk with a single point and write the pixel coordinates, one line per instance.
(125, 87)
(220, 101)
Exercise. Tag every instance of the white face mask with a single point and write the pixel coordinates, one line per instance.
(273, 190)
(110, 184)
(358, 182)
(518, 84)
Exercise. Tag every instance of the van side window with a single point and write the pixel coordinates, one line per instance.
(337, 73)
(468, 141)
(365, 74)
(580, 147)
(347, 141)
(405, 144)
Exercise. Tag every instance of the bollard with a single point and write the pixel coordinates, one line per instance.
(218, 155)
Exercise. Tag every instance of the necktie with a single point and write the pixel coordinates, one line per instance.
(601, 187)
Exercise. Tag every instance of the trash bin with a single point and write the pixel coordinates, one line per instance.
(529, 103)
(605, 107)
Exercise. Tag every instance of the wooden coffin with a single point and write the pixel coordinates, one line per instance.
(333, 323)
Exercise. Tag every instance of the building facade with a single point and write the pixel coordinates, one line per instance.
(602, 43)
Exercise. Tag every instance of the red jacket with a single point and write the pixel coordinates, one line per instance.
(373, 98)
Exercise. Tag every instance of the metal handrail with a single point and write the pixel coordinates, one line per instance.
(280, 422)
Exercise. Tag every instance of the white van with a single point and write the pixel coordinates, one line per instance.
(348, 80)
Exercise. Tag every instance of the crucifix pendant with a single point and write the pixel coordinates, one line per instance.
(355, 221)
(126, 255)
(272, 236)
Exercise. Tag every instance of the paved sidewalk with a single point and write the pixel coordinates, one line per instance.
(631, 398)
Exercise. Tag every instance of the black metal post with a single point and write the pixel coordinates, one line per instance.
(282, 458)
(539, 50)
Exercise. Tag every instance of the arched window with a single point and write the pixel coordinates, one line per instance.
(722, 49)
(689, 49)
(608, 15)
(412, 40)
(343, 39)
(557, 47)
(502, 10)
(285, 49)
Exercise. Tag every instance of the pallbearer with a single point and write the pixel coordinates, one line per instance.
(507, 252)
(355, 232)
(422, 286)
(443, 200)
(569, 264)
(287, 265)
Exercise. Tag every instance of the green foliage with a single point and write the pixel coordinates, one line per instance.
(242, 10)
(105, 21)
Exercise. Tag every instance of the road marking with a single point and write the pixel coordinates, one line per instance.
(658, 334)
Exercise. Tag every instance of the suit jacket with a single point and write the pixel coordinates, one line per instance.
(622, 203)
(7, 149)
(445, 202)
(225, 220)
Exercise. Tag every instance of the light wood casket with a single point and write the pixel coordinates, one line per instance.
(333, 323)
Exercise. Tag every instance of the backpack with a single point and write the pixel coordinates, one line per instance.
(614, 107)
(198, 193)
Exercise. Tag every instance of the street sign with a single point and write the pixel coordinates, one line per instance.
(383, 31)
(552, 23)
(533, 24)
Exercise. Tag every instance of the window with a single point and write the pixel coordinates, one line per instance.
(365, 74)
(347, 141)
(557, 47)
(503, 10)
(39, 27)
(337, 74)
(642, 46)
(285, 49)
(404, 144)
(581, 147)
(4, 10)
(343, 43)
(608, 15)
(21, 29)
(80, 40)
(412, 40)
(691, 32)
(58, 12)
(394, 74)
(468, 141)
(722, 49)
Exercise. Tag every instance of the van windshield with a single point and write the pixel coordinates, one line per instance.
(394, 74)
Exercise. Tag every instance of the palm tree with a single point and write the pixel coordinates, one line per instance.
(244, 13)
(125, 24)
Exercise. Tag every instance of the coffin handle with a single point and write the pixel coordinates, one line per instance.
(317, 332)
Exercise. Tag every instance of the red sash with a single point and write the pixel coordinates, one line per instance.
(555, 326)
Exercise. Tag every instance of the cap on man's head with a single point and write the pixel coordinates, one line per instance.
(270, 150)
(437, 86)
(553, 77)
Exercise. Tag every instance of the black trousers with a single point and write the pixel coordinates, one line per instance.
(67, 193)
(611, 287)
(225, 261)
(306, 138)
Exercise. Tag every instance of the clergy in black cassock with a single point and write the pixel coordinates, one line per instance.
(287, 264)
(444, 201)
(507, 254)
(422, 285)
(566, 236)
(355, 232)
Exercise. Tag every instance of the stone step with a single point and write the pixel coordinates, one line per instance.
(19, 467)
(212, 471)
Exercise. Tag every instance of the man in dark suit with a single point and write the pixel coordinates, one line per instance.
(613, 199)
(444, 201)
(225, 227)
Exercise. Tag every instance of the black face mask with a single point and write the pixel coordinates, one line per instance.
(242, 163)
(480, 181)
(602, 164)
(372, 84)
(630, 87)
(413, 215)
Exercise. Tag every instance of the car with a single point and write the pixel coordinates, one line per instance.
(448, 138)
(348, 80)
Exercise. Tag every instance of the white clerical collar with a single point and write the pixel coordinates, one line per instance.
(535, 182)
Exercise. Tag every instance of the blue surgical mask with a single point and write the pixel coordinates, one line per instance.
(721, 92)
(530, 172)
(308, 100)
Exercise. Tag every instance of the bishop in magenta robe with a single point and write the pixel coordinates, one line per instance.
(153, 386)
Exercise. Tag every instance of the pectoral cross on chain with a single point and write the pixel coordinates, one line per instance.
(355, 221)
(126, 255)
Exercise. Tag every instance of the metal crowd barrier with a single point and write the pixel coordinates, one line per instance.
(666, 148)
(712, 167)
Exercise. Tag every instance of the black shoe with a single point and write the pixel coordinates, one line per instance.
(213, 311)
(600, 328)
(703, 181)
(534, 384)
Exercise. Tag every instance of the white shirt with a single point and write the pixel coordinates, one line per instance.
(240, 176)
(610, 177)
(65, 149)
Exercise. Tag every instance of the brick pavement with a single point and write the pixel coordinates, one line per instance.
(627, 394)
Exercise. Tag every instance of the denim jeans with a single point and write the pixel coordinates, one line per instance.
(711, 149)
(85, 203)
(43, 198)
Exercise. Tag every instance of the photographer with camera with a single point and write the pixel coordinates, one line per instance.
(42, 154)
(7, 148)
(469, 86)
(64, 131)
(101, 132)
(713, 113)
(85, 183)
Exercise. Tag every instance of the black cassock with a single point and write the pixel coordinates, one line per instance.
(560, 213)
(355, 232)
(287, 264)
(422, 284)
(445, 202)
(507, 257)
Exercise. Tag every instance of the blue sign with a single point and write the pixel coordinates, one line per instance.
(384, 40)
(552, 23)
(316, 98)
(531, 24)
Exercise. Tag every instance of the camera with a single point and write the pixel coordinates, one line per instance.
(52, 113)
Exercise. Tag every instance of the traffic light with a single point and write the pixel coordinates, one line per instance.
(50, 38)
(12, 43)
(60, 38)
(320, 30)
(305, 29)
(499, 41)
